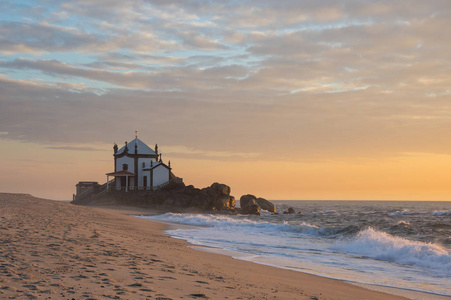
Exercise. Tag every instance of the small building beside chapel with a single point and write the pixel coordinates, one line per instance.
(139, 167)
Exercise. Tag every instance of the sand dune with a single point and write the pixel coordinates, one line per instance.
(56, 250)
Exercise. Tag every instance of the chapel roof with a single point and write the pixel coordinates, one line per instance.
(142, 148)
(157, 164)
(120, 173)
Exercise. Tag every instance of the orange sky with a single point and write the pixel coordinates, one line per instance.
(300, 100)
(53, 173)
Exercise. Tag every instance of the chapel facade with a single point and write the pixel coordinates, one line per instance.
(139, 167)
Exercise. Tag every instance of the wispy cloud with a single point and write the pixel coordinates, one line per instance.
(74, 148)
(300, 79)
(180, 150)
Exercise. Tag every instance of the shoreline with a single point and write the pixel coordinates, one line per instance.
(57, 250)
(396, 291)
(130, 211)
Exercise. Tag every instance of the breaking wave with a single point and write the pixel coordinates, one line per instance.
(442, 213)
(404, 212)
(380, 245)
(222, 221)
(404, 246)
(227, 222)
(327, 212)
(367, 242)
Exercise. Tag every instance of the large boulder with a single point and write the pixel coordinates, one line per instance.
(252, 205)
(249, 205)
(220, 189)
(266, 205)
(253, 209)
(290, 211)
(221, 202)
(219, 198)
(247, 200)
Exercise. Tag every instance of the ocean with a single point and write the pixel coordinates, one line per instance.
(400, 244)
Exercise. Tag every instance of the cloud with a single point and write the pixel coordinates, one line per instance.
(172, 78)
(183, 151)
(293, 128)
(254, 79)
(73, 148)
(38, 37)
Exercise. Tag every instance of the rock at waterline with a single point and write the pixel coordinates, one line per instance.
(266, 205)
(249, 205)
(290, 211)
(213, 198)
(252, 205)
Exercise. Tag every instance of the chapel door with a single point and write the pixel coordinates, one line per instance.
(123, 183)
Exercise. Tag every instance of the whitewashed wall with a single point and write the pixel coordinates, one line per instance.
(125, 160)
(142, 173)
(160, 175)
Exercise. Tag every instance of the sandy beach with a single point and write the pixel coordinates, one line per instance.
(56, 250)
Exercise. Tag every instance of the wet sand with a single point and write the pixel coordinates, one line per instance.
(56, 250)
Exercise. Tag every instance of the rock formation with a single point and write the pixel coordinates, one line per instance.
(181, 198)
(266, 205)
(290, 211)
(251, 205)
(213, 198)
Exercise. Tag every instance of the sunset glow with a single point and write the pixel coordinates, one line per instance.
(284, 100)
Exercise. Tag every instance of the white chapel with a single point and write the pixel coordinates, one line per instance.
(139, 167)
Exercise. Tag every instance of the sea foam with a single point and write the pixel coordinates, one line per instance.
(406, 212)
(327, 212)
(222, 221)
(343, 245)
(368, 242)
(402, 213)
(227, 222)
(442, 213)
(380, 245)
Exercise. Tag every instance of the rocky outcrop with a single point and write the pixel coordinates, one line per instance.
(213, 198)
(266, 205)
(232, 202)
(247, 200)
(252, 205)
(290, 211)
(220, 194)
(249, 205)
(253, 209)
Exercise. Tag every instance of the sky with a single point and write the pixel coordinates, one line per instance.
(345, 100)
